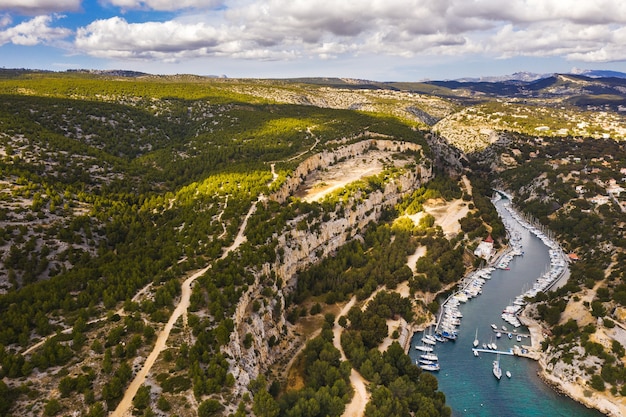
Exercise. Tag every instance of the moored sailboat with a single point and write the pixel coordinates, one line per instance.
(429, 357)
(428, 338)
(430, 367)
(497, 371)
(424, 348)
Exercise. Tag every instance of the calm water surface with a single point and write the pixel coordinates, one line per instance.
(468, 381)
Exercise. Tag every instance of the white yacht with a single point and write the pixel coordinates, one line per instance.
(424, 348)
(497, 371)
(430, 367)
(429, 341)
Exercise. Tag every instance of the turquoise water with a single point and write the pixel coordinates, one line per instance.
(468, 381)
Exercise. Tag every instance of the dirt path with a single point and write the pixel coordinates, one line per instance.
(337, 329)
(412, 259)
(45, 339)
(361, 397)
(219, 218)
(317, 141)
(467, 184)
(356, 407)
(125, 406)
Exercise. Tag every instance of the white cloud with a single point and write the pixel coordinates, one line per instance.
(37, 7)
(33, 32)
(519, 11)
(330, 29)
(612, 50)
(595, 43)
(116, 38)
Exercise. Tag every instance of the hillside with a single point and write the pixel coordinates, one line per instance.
(116, 189)
(473, 114)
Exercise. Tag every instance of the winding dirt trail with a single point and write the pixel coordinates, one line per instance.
(337, 329)
(125, 406)
(356, 407)
(467, 184)
(317, 141)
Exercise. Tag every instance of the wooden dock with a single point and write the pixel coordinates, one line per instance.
(506, 332)
(502, 352)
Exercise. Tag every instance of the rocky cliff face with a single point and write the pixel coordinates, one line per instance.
(264, 324)
(447, 157)
(301, 248)
(327, 158)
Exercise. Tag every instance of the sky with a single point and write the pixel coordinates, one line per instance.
(382, 40)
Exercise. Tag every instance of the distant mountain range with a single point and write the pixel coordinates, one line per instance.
(531, 76)
(591, 89)
(581, 88)
(517, 76)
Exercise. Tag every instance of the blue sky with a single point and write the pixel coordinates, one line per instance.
(384, 40)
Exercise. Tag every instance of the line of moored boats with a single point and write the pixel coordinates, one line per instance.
(428, 359)
(547, 279)
(450, 319)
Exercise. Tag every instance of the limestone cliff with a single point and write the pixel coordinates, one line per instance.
(300, 248)
(327, 158)
(447, 157)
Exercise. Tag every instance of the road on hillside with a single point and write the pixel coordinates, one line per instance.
(125, 406)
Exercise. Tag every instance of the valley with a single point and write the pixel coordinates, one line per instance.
(189, 246)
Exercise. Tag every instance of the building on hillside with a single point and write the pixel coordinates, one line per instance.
(485, 249)
(600, 199)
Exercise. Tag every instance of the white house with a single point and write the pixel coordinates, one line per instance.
(485, 249)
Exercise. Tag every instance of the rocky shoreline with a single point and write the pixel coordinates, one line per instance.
(577, 389)
(580, 394)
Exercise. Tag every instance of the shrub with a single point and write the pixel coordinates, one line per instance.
(597, 383)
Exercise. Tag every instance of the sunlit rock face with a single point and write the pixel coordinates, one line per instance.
(300, 248)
